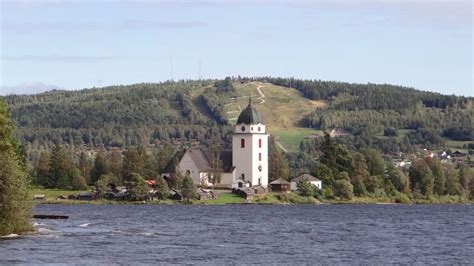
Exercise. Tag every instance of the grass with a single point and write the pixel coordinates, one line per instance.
(282, 111)
(284, 198)
(290, 139)
(53, 193)
(225, 198)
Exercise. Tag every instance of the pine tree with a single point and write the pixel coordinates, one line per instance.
(132, 163)
(85, 167)
(100, 166)
(15, 200)
(162, 189)
(42, 168)
(188, 189)
(115, 163)
(57, 171)
(137, 187)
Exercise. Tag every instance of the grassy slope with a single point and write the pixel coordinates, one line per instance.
(282, 111)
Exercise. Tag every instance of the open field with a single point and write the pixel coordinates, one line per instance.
(282, 110)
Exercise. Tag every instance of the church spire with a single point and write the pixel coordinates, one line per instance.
(250, 99)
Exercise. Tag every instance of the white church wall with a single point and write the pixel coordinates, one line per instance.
(247, 160)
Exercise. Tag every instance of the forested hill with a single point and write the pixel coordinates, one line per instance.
(384, 116)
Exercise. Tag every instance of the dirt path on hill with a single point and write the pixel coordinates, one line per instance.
(262, 96)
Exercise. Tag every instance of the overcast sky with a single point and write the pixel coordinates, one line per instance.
(48, 44)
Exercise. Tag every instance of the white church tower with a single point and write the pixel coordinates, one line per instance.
(250, 148)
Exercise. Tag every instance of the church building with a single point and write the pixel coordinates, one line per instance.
(245, 166)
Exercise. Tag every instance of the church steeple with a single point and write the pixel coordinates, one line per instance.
(249, 115)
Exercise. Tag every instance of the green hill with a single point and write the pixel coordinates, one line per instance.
(383, 116)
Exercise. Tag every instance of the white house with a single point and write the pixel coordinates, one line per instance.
(245, 166)
(313, 180)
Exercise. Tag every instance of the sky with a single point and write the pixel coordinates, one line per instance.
(75, 44)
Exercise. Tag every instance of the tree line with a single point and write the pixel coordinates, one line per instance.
(345, 173)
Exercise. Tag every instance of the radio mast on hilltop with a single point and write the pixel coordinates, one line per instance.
(200, 75)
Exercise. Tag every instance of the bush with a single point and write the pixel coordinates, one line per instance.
(402, 198)
(328, 193)
(305, 188)
(343, 189)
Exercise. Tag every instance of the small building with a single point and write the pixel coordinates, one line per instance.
(203, 195)
(259, 190)
(280, 185)
(39, 197)
(246, 193)
(176, 195)
(313, 180)
(86, 196)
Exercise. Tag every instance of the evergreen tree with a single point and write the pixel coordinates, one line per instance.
(132, 163)
(57, 172)
(42, 168)
(100, 166)
(115, 163)
(85, 167)
(328, 150)
(162, 189)
(137, 187)
(188, 190)
(278, 166)
(15, 200)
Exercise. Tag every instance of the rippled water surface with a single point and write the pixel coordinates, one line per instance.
(247, 234)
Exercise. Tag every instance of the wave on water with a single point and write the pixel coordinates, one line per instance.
(84, 225)
(10, 236)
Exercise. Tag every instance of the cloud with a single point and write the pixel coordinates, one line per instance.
(27, 88)
(59, 58)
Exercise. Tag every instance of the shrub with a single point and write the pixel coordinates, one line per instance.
(343, 189)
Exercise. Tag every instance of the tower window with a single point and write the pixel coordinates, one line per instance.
(242, 143)
(259, 143)
(260, 156)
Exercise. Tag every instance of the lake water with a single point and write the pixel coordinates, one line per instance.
(247, 234)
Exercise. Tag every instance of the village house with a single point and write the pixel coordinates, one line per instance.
(280, 185)
(313, 180)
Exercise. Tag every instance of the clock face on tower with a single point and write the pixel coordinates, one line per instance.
(243, 128)
(260, 168)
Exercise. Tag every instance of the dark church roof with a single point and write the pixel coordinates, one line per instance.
(249, 116)
(202, 158)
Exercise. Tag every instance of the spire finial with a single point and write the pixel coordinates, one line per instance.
(250, 99)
